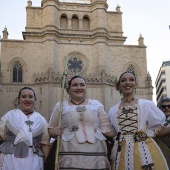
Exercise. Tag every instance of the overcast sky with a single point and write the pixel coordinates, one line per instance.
(151, 18)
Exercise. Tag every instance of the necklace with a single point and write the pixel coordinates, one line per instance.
(79, 108)
(29, 123)
(29, 113)
(128, 100)
(77, 103)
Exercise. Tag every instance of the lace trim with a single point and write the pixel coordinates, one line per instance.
(87, 163)
(114, 151)
(3, 129)
(145, 154)
(11, 128)
(68, 135)
(129, 156)
(40, 131)
(106, 128)
(16, 133)
(45, 139)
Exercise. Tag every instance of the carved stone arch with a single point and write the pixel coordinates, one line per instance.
(75, 21)
(134, 67)
(19, 60)
(77, 63)
(87, 16)
(63, 20)
(86, 22)
(75, 15)
(63, 14)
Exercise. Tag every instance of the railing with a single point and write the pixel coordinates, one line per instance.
(77, 1)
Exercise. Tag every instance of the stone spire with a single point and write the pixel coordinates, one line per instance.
(118, 8)
(5, 34)
(29, 3)
(140, 40)
(149, 84)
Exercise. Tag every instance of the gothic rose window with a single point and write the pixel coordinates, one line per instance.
(75, 65)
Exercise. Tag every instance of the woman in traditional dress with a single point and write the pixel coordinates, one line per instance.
(84, 127)
(136, 122)
(25, 135)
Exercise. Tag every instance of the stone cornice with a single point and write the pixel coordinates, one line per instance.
(74, 35)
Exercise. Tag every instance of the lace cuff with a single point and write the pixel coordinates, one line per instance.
(104, 124)
(106, 128)
(3, 129)
(45, 139)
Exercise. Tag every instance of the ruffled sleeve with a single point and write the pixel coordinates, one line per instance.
(95, 103)
(54, 116)
(104, 121)
(151, 117)
(155, 116)
(45, 138)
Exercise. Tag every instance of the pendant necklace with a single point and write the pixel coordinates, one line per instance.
(29, 113)
(79, 108)
(77, 103)
(29, 123)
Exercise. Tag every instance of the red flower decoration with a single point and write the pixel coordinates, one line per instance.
(117, 85)
(67, 85)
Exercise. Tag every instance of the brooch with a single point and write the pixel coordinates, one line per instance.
(74, 128)
(81, 108)
(29, 123)
(140, 136)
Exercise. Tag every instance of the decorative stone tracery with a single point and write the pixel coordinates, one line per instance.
(90, 79)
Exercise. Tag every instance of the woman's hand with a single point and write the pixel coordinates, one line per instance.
(54, 132)
(58, 131)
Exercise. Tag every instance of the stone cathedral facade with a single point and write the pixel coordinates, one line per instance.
(85, 32)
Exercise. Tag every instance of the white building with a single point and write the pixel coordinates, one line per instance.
(163, 81)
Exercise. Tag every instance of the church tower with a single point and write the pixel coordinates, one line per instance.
(91, 37)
